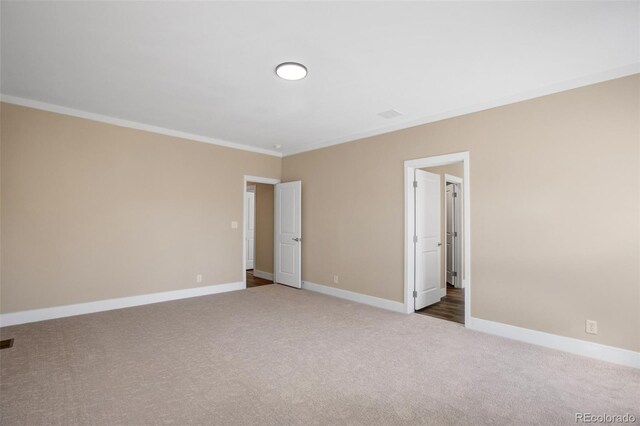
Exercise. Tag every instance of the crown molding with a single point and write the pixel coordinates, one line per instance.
(524, 96)
(30, 103)
(575, 83)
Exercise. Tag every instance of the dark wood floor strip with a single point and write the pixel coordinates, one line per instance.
(255, 281)
(450, 308)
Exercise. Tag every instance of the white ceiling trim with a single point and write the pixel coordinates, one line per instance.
(543, 91)
(131, 124)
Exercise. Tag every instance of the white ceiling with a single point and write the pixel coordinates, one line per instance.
(207, 69)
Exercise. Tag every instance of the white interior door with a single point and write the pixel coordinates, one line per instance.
(250, 232)
(428, 240)
(288, 234)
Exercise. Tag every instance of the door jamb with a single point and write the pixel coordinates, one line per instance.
(409, 225)
(253, 179)
(248, 189)
(456, 181)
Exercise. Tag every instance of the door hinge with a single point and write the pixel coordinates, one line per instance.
(415, 239)
(455, 194)
(415, 183)
(455, 234)
(454, 273)
(415, 294)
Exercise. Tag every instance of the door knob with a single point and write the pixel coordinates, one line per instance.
(439, 244)
(297, 239)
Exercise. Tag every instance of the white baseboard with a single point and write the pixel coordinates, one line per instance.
(567, 344)
(390, 305)
(263, 275)
(23, 317)
(561, 343)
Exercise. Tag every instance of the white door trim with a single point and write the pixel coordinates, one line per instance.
(452, 179)
(249, 195)
(457, 181)
(409, 225)
(253, 179)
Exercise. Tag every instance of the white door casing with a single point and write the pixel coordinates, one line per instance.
(410, 167)
(288, 245)
(451, 234)
(458, 253)
(250, 231)
(455, 269)
(428, 241)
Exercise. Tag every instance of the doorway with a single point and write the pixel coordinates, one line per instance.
(272, 232)
(258, 234)
(437, 254)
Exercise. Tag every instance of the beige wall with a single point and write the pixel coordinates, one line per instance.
(457, 170)
(555, 210)
(264, 228)
(92, 211)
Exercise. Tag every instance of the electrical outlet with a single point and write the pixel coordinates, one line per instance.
(199, 278)
(335, 279)
(234, 225)
(591, 327)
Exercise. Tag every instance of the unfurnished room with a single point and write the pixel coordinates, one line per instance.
(319, 213)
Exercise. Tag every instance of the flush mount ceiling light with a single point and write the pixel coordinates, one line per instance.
(291, 71)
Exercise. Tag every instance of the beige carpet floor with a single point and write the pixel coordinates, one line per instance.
(273, 355)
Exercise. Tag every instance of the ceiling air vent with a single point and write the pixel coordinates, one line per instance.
(392, 113)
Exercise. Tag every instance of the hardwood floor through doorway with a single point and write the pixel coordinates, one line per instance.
(450, 308)
(255, 281)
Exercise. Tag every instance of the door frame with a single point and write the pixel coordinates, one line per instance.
(250, 189)
(253, 179)
(460, 187)
(409, 225)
